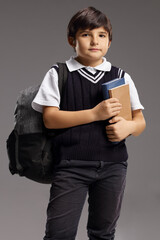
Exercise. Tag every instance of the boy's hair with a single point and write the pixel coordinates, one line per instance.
(88, 18)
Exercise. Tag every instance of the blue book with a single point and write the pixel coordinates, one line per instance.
(111, 84)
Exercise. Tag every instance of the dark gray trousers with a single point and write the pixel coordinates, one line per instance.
(73, 179)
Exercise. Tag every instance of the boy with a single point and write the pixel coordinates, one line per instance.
(87, 159)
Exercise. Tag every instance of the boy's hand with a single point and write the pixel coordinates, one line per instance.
(107, 109)
(119, 129)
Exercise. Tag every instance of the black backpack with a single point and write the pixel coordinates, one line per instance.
(29, 146)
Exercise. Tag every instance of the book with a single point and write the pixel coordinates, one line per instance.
(111, 84)
(122, 94)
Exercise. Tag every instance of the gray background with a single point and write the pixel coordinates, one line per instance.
(33, 37)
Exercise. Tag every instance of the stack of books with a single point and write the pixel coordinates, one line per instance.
(118, 89)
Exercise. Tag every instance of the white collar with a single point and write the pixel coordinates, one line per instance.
(74, 65)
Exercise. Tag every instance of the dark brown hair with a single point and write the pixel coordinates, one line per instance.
(89, 18)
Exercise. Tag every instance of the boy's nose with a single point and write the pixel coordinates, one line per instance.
(94, 41)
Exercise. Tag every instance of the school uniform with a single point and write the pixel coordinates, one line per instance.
(87, 162)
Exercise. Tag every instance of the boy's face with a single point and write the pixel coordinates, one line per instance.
(90, 45)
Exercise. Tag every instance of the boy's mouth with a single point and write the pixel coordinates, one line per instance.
(94, 49)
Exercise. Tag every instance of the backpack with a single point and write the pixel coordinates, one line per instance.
(30, 144)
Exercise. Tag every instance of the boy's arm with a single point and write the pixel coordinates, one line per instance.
(123, 128)
(56, 119)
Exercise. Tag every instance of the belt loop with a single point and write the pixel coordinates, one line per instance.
(102, 164)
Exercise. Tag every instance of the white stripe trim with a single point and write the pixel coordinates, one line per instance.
(120, 71)
(94, 78)
(90, 78)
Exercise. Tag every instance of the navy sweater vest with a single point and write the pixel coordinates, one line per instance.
(89, 141)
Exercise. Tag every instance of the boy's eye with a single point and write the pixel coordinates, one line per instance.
(85, 35)
(102, 35)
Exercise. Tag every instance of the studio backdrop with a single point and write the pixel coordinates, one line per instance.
(33, 38)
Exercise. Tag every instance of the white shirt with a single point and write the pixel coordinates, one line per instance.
(48, 94)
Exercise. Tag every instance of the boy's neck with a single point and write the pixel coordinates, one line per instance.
(86, 62)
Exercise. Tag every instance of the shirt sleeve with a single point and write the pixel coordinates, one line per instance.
(48, 93)
(135, 102)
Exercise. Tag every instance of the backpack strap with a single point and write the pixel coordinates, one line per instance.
(63, 75)
(62, 72)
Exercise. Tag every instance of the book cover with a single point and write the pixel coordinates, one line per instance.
(111, 84)
(122, 93)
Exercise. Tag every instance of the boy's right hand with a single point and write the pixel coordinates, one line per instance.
(107, 109)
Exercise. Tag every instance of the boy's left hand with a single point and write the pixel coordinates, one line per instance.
(118, 130)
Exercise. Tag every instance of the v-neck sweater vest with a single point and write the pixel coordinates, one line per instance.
(89, 141)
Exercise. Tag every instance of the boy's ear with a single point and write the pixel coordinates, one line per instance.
(109, 44)
(71, 41)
